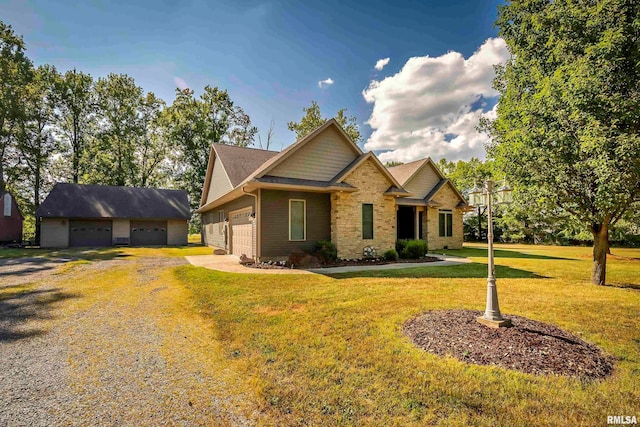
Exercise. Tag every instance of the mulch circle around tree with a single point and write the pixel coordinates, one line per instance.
(528, 346)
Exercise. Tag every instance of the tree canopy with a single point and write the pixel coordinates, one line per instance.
(568, 123)
(313, 119)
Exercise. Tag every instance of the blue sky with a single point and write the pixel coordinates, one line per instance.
(271, 56)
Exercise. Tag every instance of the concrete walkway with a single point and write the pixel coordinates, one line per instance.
(230, 264)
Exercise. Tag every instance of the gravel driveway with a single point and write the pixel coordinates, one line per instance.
(77, 350)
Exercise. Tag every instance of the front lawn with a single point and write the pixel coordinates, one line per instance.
(324, 350)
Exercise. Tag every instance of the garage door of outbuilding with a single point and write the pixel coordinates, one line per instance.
(90, 233)
(241, 225)
(148, 233)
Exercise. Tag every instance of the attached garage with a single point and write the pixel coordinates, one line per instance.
(241, 226)
(75, 215)
(148, 233)
(90, 233)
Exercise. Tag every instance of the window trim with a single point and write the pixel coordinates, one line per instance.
(372, 221)
(304, 217)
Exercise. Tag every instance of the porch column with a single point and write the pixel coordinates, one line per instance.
(416, 227)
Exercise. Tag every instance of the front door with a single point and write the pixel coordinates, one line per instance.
(406, 222)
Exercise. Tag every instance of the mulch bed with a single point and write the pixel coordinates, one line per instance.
(341, 263)
(528, 346)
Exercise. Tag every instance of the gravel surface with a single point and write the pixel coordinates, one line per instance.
(15, 271)
(70, 358)
(529, 346)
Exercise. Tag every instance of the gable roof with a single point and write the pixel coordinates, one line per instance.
(240, 162)
(287, 152)
(394, 189)
(404, 173)
(237, 163)
(104, 201)
(439, 186)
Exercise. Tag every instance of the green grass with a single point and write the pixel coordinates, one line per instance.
(329, 350)
(319, 350)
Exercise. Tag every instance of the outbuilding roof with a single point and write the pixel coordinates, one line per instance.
(104, 201)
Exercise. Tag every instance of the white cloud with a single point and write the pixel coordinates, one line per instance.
(381, 63)
(429, 108)
(325, 82)
(180, 83)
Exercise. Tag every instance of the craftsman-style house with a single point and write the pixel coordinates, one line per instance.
(267, 204)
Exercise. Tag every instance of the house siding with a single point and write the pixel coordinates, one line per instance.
(422, 182)
(274, 222)
(212, 231)
(54, 233)
(220, 183)
(10, 226)
(448, 200)
(346, 213)
(177, 232)
(319, 159)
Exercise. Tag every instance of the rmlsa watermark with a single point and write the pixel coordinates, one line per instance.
(621, 419)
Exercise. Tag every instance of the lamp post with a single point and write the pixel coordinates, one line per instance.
(479, 197)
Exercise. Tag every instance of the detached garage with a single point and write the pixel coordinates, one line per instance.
(75, 215)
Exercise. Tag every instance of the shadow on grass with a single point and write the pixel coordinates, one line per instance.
(634, 286)
(20, 307)
(35, 254)
(498, 253)
(463, 271)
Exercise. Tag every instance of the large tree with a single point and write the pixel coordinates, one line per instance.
(313, 119)
(193, 124)
(15, 72)
(568, 126)
(35, 142)
(120, 128)
(75, 118)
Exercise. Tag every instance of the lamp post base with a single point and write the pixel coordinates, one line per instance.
(504, 323)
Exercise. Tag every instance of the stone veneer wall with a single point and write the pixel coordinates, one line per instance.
(346, 213)
(449, 200)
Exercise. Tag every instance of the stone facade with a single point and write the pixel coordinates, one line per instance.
(448, 200)
(346, 213)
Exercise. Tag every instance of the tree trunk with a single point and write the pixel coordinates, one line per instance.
(600, 249)
(36, 202)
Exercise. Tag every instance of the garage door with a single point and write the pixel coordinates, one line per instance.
(241, 233)
(89, 233)
(148, 233)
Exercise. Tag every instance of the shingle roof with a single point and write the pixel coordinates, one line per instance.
(435, 189)
(103, 201)
(403, 172)
(240, 162)
(306, 182)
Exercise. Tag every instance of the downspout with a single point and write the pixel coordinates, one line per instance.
(257, 220)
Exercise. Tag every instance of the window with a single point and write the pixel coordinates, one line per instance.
(367, 221)
(445, 223)
(297, 219)
(7, 204)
